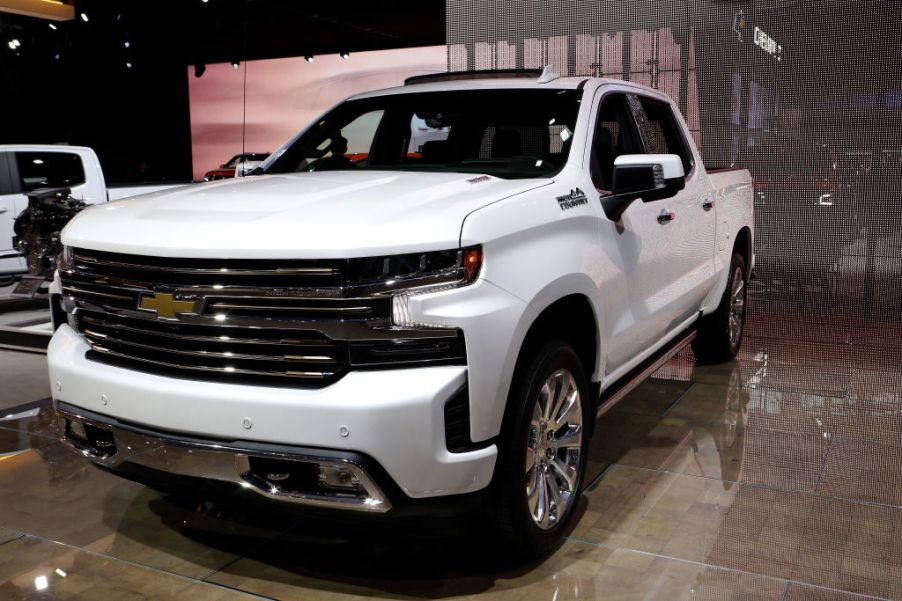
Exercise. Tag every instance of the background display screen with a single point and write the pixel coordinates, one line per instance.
(262, 103)
(806, 95)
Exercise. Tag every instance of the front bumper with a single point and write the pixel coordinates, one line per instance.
(394, 417)
(280, 473)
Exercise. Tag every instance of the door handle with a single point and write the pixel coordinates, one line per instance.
(708, 205)
(2, 211)
(666, 217)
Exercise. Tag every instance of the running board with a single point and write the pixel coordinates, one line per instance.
(610, 397)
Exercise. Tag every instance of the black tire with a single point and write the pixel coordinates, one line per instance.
(716, 342)
(520, 533)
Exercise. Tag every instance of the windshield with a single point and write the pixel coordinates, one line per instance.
(513, 133)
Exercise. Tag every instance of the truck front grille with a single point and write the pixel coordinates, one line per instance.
(279, 322)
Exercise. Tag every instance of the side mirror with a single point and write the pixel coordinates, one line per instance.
(646, 176)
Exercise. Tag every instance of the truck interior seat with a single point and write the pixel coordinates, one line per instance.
(435, 151)
(506, 143)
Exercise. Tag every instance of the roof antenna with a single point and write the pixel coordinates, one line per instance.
(548, 75)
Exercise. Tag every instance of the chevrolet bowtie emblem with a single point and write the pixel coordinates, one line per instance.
(165, 305)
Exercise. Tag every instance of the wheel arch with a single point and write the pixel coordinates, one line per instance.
(581, 323)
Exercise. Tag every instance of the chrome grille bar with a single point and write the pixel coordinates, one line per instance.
(318, 375)
(105, 339)
(82, 258)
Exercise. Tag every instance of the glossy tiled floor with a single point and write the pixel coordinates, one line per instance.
(777, 477)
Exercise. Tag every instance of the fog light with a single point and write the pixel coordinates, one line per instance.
(338, 478)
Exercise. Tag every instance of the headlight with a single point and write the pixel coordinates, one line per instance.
(404, 276)
(387, 275)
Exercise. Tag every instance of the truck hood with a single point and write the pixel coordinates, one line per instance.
(301, 215)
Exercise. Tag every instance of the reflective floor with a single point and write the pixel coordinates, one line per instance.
(777, 477)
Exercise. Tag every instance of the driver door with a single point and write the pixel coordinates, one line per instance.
(629, 246)
(653, 254)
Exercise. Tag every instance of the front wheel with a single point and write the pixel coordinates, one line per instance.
(720, 333)
(542, 455)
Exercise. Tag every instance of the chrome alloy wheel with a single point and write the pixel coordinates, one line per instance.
(737, 306)
(554, 449)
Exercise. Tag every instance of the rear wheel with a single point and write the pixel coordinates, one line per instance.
(720, 333)
(543, 452)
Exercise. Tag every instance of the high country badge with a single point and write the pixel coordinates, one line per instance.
(569, 201)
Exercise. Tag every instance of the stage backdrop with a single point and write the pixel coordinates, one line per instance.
(806, 95)
(259, 105)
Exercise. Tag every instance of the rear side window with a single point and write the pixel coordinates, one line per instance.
(660, 132)
(49, 170)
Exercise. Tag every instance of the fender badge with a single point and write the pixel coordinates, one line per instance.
(570, 201)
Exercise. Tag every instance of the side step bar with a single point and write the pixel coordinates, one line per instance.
(613, 395)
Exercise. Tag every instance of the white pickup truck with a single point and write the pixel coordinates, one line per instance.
(385, 330)
(25, 168)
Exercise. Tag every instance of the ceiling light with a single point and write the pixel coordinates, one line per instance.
(84, 17)
(127, 43)
(308, 58)
(345, 55)
(52, 26)
(128, 65)
(235, 64)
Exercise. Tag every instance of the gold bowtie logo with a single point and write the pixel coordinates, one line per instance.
(165, 305)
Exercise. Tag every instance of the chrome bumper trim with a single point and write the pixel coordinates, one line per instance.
(214, 461)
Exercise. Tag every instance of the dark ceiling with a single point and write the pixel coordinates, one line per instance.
(118, 82)
(192, 31)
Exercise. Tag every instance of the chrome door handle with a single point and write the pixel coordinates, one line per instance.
(708, 205)
(666, 217)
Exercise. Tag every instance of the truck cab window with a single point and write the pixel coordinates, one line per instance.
(342, 147)
(515, 133)
(659, 129)
(49, 170)
(614, 135)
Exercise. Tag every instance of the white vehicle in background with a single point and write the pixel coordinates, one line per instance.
(26, 168)
(417, 330)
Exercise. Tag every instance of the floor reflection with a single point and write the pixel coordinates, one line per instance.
(777, 476)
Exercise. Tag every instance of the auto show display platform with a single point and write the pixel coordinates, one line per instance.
(24, 319)
(775, 477)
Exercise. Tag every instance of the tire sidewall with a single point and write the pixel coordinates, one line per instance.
(515, 520)
(727, 303)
